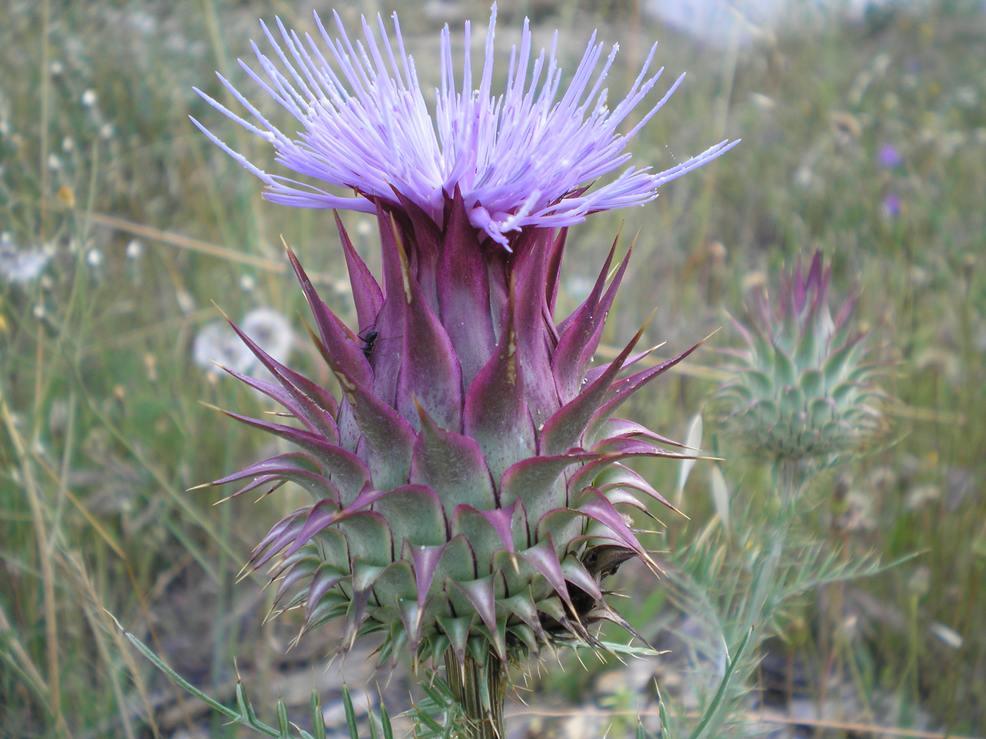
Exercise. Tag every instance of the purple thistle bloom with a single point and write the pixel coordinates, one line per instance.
(471, 481)
(889, 157)
(891, 205)
(520, 158)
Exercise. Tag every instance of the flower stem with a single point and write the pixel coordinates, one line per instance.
(480, 689)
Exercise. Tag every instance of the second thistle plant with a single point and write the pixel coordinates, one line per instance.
(803, 387)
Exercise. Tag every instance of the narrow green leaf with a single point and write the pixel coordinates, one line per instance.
(318, 722)
(720, 695)
(388, 731)
(347, 702)
(283, 727)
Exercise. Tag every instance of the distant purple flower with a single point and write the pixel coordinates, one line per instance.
(891, 205)
(889, 157)
(521, 158)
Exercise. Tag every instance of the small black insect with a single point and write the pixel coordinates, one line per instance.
(605, 560)
(369, 338)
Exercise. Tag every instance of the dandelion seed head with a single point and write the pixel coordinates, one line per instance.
(216, 343)
(20, 266)
(271, 331)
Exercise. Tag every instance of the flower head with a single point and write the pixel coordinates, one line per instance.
(524, 156)
(21, 266)
(889, 157)
(471, 485)
(803, 387)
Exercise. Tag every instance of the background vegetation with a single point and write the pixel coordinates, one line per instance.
(864, 136)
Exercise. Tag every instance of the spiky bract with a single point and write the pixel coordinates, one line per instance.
(469, 484)
(803, 388)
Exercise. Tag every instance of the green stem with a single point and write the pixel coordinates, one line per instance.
(791, 483)
(480, 688)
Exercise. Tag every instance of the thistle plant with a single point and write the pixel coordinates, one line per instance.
(803, 389)
(469, 485)
(802, 395)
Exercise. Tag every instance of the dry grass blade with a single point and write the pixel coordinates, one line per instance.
(47, 573)
(189, 243)
(24, 662)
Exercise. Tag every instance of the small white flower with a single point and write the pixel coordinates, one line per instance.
(89, 98)
(763, 102)
(216, 343)
(804, 176)
(94, 257)
(965, 95)
(247, 283)
(948, 637)
(135, 249)
(106, 131)
(21, 266)
(54, 162)
(56, 68)
(271, 331)
(578, 287)
(185, 301)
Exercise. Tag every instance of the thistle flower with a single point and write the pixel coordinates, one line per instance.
(520, 159)
(803, 387)
(469, 485)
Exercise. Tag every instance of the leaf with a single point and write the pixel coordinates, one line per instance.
(693, 440)
(318, 723)
(430, 373)
(720, 494)
(347, 702)
(713, 708)
(414, 514)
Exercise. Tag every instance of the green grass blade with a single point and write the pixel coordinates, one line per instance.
(347, 702)
(318, 723)
(717, 700)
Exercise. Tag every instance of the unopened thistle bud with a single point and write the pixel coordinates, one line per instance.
(803, 387)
